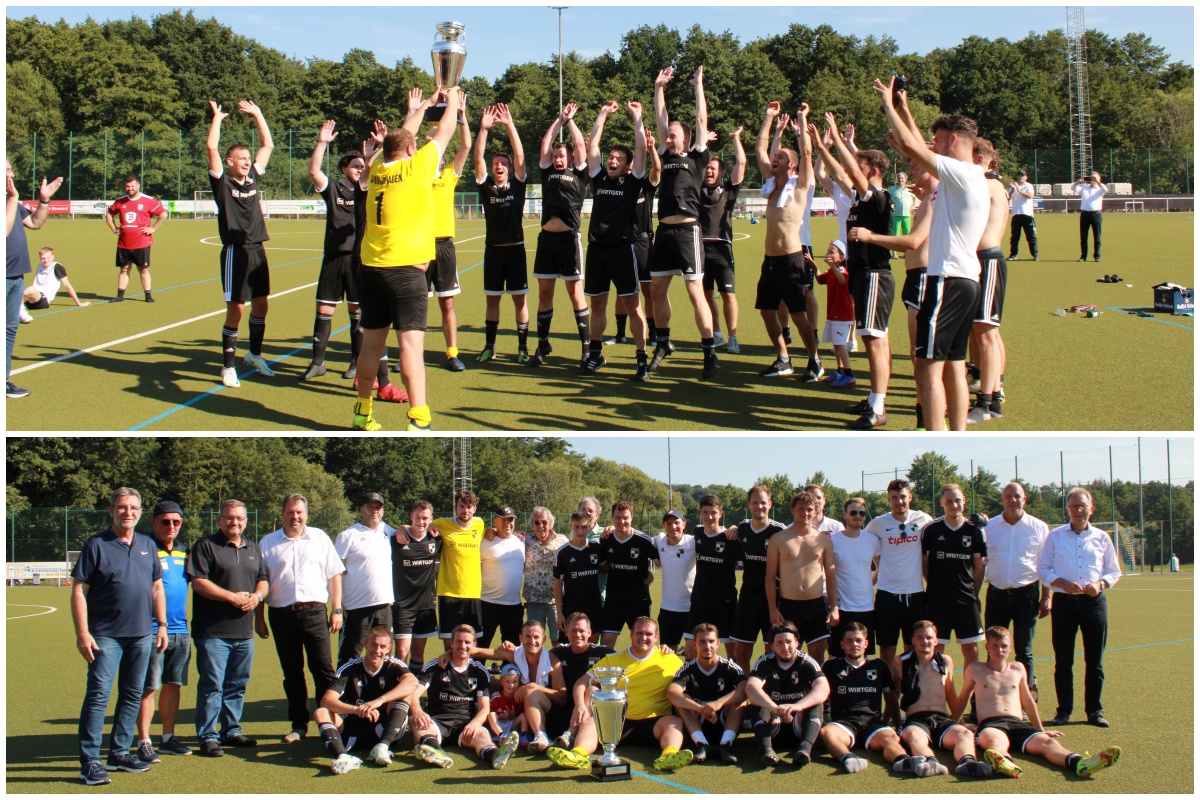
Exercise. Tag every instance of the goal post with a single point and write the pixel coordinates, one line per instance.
(204, 206)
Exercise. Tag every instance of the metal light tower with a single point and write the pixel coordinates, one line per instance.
(560, 9)
(460, 454)
(1081, 112)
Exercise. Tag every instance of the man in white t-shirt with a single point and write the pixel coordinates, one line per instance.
(1091, 191)
(1021, 193)
(819, 521)
(47, 280)
(367, 585)
(676, 555)
(503, 558)
(960, 214)
(855, 559)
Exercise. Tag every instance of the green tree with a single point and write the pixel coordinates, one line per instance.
(927, 474)
(782, 489)
(32, 103)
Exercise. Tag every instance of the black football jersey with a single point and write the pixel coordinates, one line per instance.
(579, 570)
(716, 211)
(503, 210)
(239, 215)
(716, 567)
(754, 554)
(414, 572)
(563, 191)
(910, 676)
(952, 559)
(576, 665)
(873, 212)
(786, 684)
(643, 217)
(857, 691)
(453, 696)
(356, 685)
(340, 218)
(360, 218)
(682, 177)
(615, 205)
(628, 564)
(704, 687)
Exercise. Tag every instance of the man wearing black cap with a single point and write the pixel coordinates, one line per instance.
(503, 559)
(168, 669)
(1020, 192)
(366, 550)
(677, 558)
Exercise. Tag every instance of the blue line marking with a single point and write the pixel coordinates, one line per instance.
(667, 782)
(1154, 319)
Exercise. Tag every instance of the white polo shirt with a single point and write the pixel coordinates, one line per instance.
(367, 554)
(960, 213)
(1013, 550)
(1022, 206)
(299, 569)
(503, 570)
(829, 525)
(678, 562)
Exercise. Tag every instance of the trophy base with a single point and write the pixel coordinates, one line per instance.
(435, 113)
(611, 772)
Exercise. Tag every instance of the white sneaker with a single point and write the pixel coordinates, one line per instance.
(229, 377)
(718, 339)
(540, 743)
(345, 763)
(25, 315)
(259, 363)
(978, 414)
(733, 345)
(381, 754)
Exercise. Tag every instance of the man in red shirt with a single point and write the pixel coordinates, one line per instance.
(140, 216)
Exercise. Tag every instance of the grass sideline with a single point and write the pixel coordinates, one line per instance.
(1149, 697)
(156, 366)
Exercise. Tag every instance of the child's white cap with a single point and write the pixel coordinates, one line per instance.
(840, 245)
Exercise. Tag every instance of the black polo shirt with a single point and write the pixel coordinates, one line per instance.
(120, 580)
(235, 569)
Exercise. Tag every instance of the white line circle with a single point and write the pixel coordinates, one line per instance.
(26, 605)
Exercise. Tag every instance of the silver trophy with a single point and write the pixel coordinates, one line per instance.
(449, 57)
(609, 703)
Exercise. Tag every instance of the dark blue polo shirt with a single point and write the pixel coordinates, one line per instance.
(235, 569)
(16, 247)
(120, 579)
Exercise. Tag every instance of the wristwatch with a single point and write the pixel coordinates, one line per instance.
(337, 611)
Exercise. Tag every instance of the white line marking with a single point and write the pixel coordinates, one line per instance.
(26, 605)
(144, 334)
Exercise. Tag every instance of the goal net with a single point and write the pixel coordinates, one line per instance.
(1128, 544)
(204, 207)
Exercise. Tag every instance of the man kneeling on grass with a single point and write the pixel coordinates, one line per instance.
(350, 715)
(1002, 693)
(457, 707)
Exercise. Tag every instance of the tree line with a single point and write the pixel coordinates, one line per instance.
(158, 75)
(81, 472)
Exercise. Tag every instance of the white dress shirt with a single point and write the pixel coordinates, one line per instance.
(299, 569)
(367, 554)
(1013, 550)
(1091, 196)
(1081, 558)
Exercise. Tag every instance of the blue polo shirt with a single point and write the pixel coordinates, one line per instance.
(16, 247)
(120, 579)
(175, 584)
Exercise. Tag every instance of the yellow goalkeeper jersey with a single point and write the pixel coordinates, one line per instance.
(400, 211)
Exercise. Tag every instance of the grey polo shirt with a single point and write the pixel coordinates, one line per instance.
(233, 568)
(120, 579)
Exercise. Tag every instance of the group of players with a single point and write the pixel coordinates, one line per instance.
(846, 589)
(389, 244)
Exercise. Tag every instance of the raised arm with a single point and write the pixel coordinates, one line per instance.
(835, 172)
(761, 153)
(372, 149)
(739, 158)
(324, 137)
(579, 146)
(639, 139)
(654, 175)
(700, 135)
(660, 101)
(464, 135)
(215, 165)
(486, 121)
(445, 127)
(38, 218)
(12, 202)
(416, 110)
(593, 142)
(804, 170)
(547, 148)
(910, 141)
(819, 163)
(267, 145)
(514, 140)
(849, 163)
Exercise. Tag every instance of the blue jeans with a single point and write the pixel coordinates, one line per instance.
(547, 614)
(224, 666)
(14, 291)
(129, 656)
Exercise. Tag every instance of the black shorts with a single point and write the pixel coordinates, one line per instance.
(621, 611)
(414, 623)
(611, 264)
(809, 617)
(455, 611)
(393, 296)
(507, 618)
(504, 269)
(782, 280)
(358, 623)
(895, 614)
(449, 731)
(935, 724)
(864, 618)
(751, 618)
(993, 276)
(874, 291)
(914, 288)
(671, 626)
(861, 729)
(677, 250)
(962, 618)
(719, 613)
(42, 302)
(244, 272)
(360, 734)
(138, 256)
(945, 317)
(641, 251)
(718, 267)
(339, 278)
(1018, 731)
(559, 255)
(640, 732)
(443, 270)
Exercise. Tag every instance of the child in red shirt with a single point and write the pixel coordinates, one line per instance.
(839, 313)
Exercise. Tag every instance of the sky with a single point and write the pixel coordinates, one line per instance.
(497, 36)
(739, 459)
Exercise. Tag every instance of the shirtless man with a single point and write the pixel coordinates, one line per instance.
(786, 191)
(1002, 693)
(801, 557)
(985, 332)
(926, 693)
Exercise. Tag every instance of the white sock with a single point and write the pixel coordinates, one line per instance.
(143, 741)
(876, 402)
(699, 738)
(727, 737)
(167, 737)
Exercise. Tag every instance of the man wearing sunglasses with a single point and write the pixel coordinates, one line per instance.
(855, 559)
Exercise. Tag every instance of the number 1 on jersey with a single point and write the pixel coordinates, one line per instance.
(379, 208)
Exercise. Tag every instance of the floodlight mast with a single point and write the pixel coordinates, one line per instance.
(460, 454)
(1081, 113)
(560, 9)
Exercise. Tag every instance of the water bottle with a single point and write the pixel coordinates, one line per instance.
(1060, 312)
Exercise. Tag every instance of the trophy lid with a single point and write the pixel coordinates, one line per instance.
(451, 30)
(608, 672)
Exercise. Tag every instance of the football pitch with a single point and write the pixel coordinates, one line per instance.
(134, 366)
(1149, 697)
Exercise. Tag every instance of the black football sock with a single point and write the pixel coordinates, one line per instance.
(121, 294)
(321, 328)
(594, 348)
(522, 335)
(489, 333)
(848, 371)
(920, 416)
(429, 740)
(651, 331)
(983, 399)
(1073, 760)
(258, 327)
(356, 334)
(229, 337)
(488, 754)
(621, 320)
(583, 321)
(708, 345)
(333, 739)
(664, 337)
(544, 318)
(397, 721)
